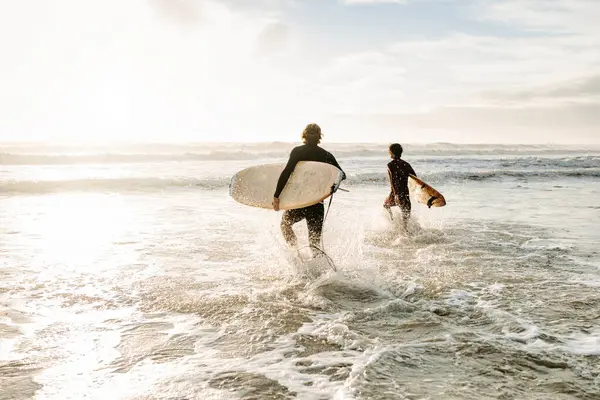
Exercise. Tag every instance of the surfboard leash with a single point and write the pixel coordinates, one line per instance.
(331, 263)
(329, 260)
(321, 250)
(328, 207)
(334, 189)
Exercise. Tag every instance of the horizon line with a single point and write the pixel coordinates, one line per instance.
(208, 142)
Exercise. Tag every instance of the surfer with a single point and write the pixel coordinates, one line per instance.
(398, 171)
(309, 151)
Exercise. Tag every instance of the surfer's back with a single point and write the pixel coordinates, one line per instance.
(310, 152)
(399, 171)
(305, 152)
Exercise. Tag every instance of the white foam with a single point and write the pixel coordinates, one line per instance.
(495, 289)
(589, 280)
(583, 344)
(201, 243)
(459, 297)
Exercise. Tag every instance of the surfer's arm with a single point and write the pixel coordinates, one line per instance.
(393, 189)
(411, 170)
(395, 184)
(334, 162)
(287, 171)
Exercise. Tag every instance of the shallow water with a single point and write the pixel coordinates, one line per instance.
(142, 279)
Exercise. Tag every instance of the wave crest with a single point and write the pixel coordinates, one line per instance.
(154, 184)
(110, 185)
(56, 155)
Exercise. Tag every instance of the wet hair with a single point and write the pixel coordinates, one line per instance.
(312, 134)
(396, 149)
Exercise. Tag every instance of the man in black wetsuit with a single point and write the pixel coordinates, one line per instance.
(398, 171)
(310, 151)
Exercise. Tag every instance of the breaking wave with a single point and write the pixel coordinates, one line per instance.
(453, 176)
(116, 158)
(55, 155)
(154, 184)
(110, 185)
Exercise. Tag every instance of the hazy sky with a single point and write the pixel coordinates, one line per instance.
(518, 71)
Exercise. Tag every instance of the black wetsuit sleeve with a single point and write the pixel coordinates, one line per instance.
(411, 170)
(287, 171)
(335, 164)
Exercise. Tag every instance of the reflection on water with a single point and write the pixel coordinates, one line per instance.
(182, 293)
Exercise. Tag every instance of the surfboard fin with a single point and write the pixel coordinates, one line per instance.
(430, 201)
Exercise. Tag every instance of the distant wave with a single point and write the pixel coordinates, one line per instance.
(109, 185)
(73, 159)
(440, 177)
(156, 184)
(53, 155)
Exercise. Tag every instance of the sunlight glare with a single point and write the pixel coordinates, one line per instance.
(79, 229)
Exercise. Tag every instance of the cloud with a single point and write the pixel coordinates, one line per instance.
(458, 70)
(548, 124)
(354, 2)
(274, 38)
(113, 69)
(242, 67)
(558, 16)
(180, 11)
(533, 84)
(583, 90)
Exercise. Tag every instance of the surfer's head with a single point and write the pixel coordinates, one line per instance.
(395, 150)
(312, 134)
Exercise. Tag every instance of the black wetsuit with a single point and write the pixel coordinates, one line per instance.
(313, 214)
(398, 171)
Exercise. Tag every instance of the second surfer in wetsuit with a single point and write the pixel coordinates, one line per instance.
(310, 151)
(398, 171)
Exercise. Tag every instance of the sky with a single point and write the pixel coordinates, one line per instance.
(463, 71)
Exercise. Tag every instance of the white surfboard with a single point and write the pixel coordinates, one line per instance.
(310, 183)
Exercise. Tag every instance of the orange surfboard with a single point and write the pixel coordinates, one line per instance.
(424, 193)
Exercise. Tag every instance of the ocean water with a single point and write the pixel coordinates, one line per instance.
(129, 273)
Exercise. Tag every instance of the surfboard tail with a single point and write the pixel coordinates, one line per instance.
(426, 194)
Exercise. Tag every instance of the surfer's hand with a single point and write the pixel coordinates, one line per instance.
(275, 204)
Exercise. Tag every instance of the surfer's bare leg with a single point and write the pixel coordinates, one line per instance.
(389, 210)
(405, 208)
(405, 218)
(388, 203)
